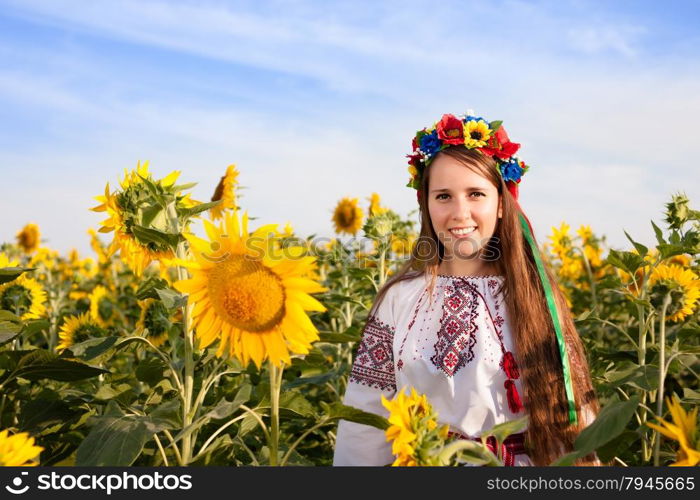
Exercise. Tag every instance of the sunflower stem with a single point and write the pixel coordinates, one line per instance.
(382, 258)
(275, 386)
(641, 359)
(662, 374)
(188, 378)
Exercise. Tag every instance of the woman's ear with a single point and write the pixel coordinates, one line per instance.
(500, 208)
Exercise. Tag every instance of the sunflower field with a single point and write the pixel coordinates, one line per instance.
(234, 347)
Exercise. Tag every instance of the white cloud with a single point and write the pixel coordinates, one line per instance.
(595, 39)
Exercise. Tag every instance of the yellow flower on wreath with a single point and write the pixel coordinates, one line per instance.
(154, 322)
(684, 286)
(248, 294)
(18, 450)
(29, 238)
(347, 216)
(120, 207)
(23, 296)
(77, 329)
(102, 308)
(226, 192)
(684, 429)
(476, 133)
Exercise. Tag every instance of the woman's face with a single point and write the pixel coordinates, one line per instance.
(464, 207)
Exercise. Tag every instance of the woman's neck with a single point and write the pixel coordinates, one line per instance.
(475, 267)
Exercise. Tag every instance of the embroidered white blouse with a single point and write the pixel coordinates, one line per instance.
(446, 346)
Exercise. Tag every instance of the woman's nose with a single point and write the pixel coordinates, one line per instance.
(460, 210)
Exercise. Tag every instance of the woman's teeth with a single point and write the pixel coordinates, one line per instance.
(462, 232)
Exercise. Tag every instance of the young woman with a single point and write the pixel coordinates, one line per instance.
(474, 319)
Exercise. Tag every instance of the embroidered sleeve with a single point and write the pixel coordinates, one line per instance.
(372, 376)
(374, 363)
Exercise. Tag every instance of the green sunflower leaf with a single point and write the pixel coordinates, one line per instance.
(170, 298)
(341, 411)
(8, 274)
(641, 249)
(610, 423)
(659, 234)
(198, 209)
(116, 441)
(148, 235)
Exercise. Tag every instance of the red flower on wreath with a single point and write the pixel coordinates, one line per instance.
(499, 145)
(450, 130)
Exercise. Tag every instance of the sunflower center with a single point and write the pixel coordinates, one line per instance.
(105, 308)
(346, 216)
(85, 332)
(16, 298)
(246, 294)
(219, 191)
(476, 135)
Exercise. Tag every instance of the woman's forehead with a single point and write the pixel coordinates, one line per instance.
(447, 172)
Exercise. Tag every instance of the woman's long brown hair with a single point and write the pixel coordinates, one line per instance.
(549, 434)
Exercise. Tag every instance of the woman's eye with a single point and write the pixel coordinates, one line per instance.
(479, 193)
(440, 196)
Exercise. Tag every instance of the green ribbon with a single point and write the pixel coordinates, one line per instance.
(546, 285)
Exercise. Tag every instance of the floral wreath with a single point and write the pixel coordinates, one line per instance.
(473, 132)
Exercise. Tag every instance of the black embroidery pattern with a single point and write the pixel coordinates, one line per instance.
(457, 336)
(374, 364)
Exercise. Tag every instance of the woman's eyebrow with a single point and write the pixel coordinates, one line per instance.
(445, 190)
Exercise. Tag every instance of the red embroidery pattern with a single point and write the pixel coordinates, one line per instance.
(457, 336)
(513, 445)
(374, 364)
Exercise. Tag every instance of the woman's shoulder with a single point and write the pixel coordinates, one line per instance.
(408, 283)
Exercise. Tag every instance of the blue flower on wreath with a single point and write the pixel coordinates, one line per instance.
(430, 143)
(511, 170)
(471, 118)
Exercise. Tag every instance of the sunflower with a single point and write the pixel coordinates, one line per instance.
(125, 210)
(46, 258)
(24, 296)
(98, 247)
(347, 216)
(681, 283)
(403, 246)
(6, 262)
(684, 429)
(102, 308)
(375, 207)
(154, 322)
(561, 241)
(682, 260)
(76, 329)
(18, 450)
(29, 238)
(476, 133)
(226, 192)
(413, 430)
(586, 233)
(253, 303)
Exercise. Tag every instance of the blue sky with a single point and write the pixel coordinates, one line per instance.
(314, 101)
